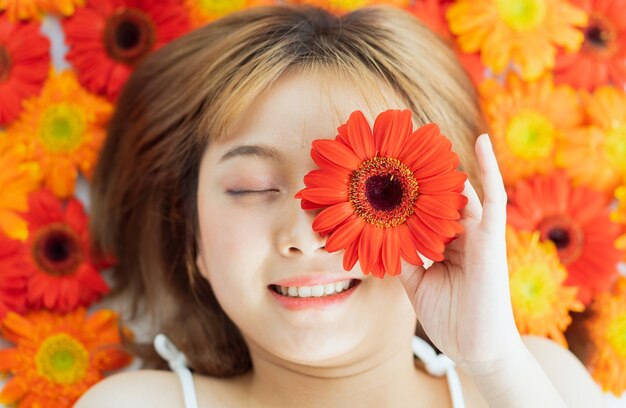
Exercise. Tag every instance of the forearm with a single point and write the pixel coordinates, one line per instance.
(517, 381)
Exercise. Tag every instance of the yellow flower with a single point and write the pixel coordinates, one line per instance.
(524, 32)
(541, 304)
(619, 215)
(345, 6)
(58, 357)
(64, 7)
(596, 155)
(18, 177)
(63, 129)
(20, 10)
(607, 333)
(526, 120)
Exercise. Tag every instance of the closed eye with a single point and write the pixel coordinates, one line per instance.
(244, 192)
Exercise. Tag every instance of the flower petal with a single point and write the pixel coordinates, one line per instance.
(442, 183)
(369, 247)
(391, 252)
(326, 196)
(427, 243)
(407, 247)
(333, 216)
(346, 233)
(338, 153)
(360, 136)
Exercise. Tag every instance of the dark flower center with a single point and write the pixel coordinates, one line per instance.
(384, 192)
(566, 235)
(599, 35)
(5, 63)
(56, 250)
(129, 35)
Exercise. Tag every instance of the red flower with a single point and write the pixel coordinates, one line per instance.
(63, 274)
(385, 193)
(602, 57)
(13, 277)
(24, 65)
(577, 221)
(107, 38)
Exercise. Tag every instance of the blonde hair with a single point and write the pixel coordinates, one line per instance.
(187, 95)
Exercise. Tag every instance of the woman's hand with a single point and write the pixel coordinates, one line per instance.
(463, 302)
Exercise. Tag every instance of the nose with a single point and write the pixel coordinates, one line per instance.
(296, 234)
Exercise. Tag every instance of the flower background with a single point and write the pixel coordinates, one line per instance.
(551, 77)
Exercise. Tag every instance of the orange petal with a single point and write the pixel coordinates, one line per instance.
(439, 226)
(13, 391)
(345, 234)
(417, 142)
(442, 183)
(407, 248)
(338, 153)
(332, 216)
(400, 129)
(436, 208)
(351, 255)
(427, 244)
(369, 247)
(391, 252)
(326, 196)
(360, 136)
(325, 178)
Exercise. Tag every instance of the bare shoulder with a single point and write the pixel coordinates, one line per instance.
(567, 373)
(158, 388)
(154, 388)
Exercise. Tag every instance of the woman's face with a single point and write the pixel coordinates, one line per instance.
(250, 241)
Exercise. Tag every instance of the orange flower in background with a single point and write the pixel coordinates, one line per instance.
(56, 358)
(525, 32)
(63, 272)
(596, 155)
(527, 119)
(13, 277)
(607, 333)
(107, 38)
(577, 221)
(432, 14)
(385, 193)
(602, 57)
(345, 6)
(205, 11)
(24, 65)
(619, 216)
(541, 303)
(65, 8)
(18, 177)
(64, 129)
(20, 10)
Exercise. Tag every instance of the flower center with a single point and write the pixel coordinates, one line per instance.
(62, 128)
(129, 35)
(615, 147)
(56, 250)
(521, 15)
(531, 292)
(616, 334)
(599, 36)
(566, 235)
(530, 136)
(62, 359)
(5, 63)
(221, 7)
(382, 191)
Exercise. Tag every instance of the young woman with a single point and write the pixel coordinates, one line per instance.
(194, 195)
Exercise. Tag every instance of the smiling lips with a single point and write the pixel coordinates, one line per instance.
(315, 295)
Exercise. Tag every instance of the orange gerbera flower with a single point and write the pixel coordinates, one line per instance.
(607, 333)
(541, 302)
(526, 120)
(18, 177)
(602, 57)
(595, 155)
(65, 8)
(205, 11)
(577, 221)
(389, 192)
(63, 272)
(17, 10)
(524, 32)
(56, 358)
(13, 277)
(64, 129)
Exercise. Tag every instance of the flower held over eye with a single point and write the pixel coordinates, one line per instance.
(385, 193)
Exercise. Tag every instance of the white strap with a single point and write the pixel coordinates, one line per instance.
(178, 363)
(439, 365)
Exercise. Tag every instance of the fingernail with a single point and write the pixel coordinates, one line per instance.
(487, 140)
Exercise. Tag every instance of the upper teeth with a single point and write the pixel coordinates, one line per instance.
(314, 291)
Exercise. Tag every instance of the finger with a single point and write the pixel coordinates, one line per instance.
(473, 210)
(411, 278)
(494, 203)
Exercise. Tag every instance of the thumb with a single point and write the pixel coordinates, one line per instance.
(411, 278)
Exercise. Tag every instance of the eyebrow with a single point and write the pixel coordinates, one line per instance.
(265, 152)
